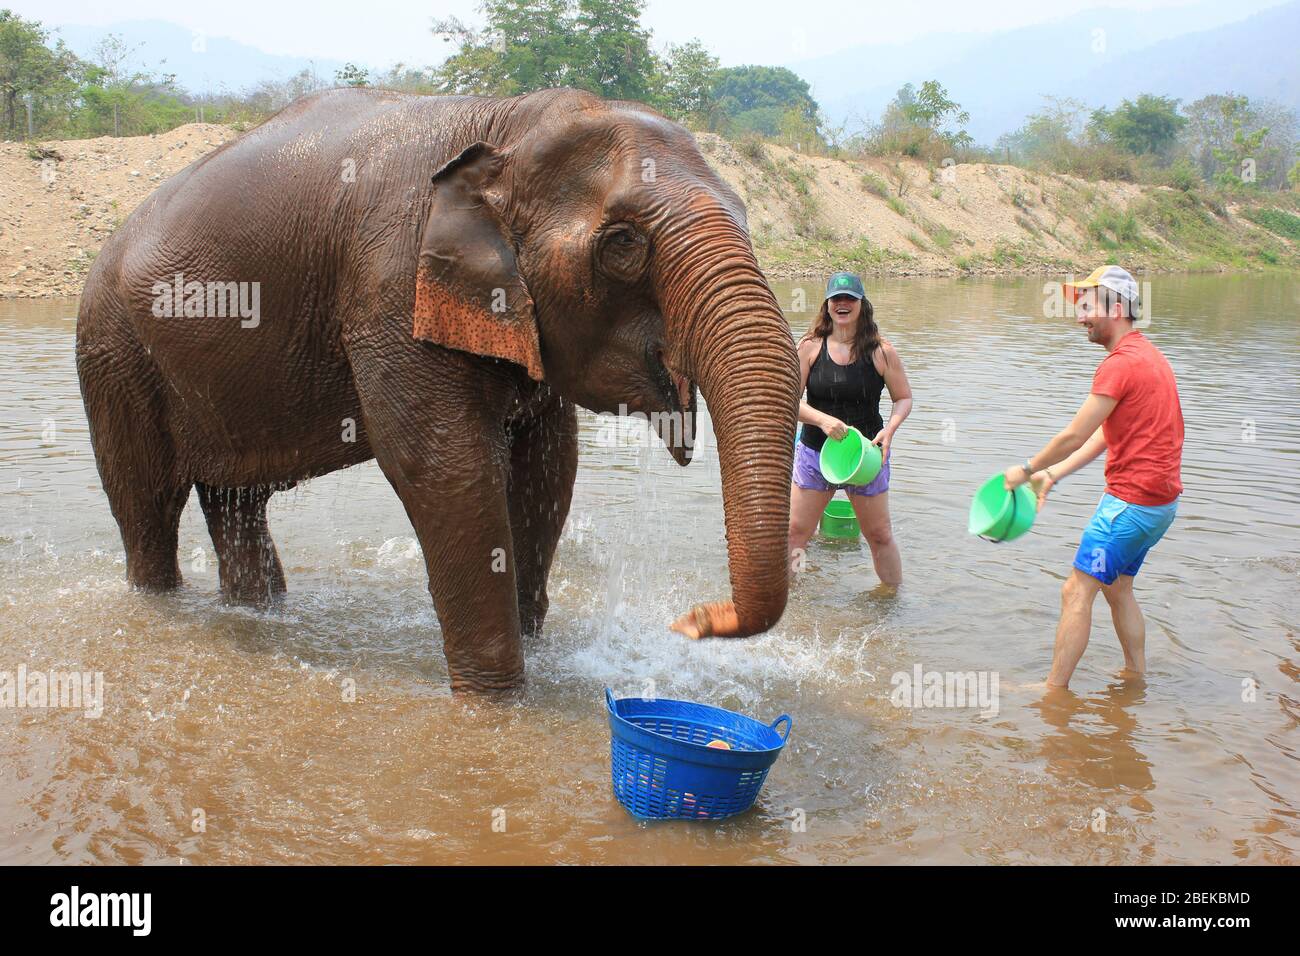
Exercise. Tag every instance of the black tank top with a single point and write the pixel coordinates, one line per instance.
(851, 393)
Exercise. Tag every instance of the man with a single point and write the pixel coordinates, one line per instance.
(1134, 415)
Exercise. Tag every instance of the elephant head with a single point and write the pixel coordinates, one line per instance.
(593, 246)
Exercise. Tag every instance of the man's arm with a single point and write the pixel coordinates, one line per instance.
(1093, 447)
(1045, 480)
(1087, 420)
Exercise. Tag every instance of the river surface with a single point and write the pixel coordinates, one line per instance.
(323, 731)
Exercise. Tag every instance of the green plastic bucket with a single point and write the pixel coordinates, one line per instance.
(852, 460)
(839, 521)
(999, 515)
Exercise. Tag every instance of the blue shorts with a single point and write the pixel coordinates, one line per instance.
(1119, 536)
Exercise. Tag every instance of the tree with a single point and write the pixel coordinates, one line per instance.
(688, 75)
(29, 68)
(408, 79)
(526, 45)
(1223, 129)
(1149, 126)
(118, 100)
(758, 87)
(1047, 134)
(269, 96)
(922, 123)
(613, 55)
(352, 75)
(1237, 156)
(932, 108)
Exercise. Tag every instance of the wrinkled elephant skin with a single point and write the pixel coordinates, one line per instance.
(436, 283)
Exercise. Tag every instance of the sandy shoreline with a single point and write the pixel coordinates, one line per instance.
(808, 215)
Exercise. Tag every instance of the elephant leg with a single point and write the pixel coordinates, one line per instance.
(136, 458)
(149, 520)
(248, 565)
(437, 441)
(543, 464)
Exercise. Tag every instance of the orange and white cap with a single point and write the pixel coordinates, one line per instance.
(1112, 277)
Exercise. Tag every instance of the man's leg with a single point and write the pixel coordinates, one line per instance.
(1077, 597)
(1129, 625)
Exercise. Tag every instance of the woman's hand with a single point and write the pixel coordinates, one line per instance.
(883, 439)
(1042, 482)
(834, 428)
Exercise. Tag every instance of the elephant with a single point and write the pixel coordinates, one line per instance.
(437, 282)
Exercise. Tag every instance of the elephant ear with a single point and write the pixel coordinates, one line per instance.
(468, 291)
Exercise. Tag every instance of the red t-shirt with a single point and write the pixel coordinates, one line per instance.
(1144, 434)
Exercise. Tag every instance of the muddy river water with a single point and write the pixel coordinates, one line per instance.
(323, 731)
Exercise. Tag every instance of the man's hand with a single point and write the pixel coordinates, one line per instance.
(883, 439)
(834, 428)
(1042, 483)
(1014, 477)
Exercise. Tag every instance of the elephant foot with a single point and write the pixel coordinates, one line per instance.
(261, 594)
(468, 681)
(154, 581)
(532, 615)
(709, 620)
(476, 664)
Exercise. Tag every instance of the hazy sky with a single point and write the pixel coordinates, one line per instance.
(382, 32)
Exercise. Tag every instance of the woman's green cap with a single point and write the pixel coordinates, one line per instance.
(845, 283)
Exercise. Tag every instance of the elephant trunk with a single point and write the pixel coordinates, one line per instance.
(727, 330)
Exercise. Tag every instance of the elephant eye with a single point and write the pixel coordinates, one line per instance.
(623, 252)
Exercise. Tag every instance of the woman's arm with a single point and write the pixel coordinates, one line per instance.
(900, 393)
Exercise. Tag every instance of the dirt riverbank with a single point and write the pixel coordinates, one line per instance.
(808, 215)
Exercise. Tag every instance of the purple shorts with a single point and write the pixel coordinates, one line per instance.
(808, 475)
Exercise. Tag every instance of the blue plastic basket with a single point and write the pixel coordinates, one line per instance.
(663, 769)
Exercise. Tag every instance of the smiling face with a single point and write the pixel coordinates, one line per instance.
(1102, 328)
(844, 311)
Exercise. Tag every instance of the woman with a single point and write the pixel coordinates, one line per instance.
(845, 365)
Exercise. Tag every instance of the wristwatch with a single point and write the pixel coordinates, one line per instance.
(1028, 469)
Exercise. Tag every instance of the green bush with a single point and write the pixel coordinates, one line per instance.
(1184, 176)
(1112, 229)
(1276, 221)
(875, 185)
(940, 234)
(752, 148)
(1091, 161)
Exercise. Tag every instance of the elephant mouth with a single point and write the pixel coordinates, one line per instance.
(678, 428)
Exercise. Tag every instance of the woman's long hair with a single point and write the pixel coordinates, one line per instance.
(865, 341)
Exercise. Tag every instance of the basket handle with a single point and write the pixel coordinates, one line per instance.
(609, 700)
(789, 726)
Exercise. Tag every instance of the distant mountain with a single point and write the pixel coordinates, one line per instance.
(1001, 77)
(1256, 56)
(201, 65)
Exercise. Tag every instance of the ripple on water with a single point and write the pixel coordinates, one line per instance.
(323, 730)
